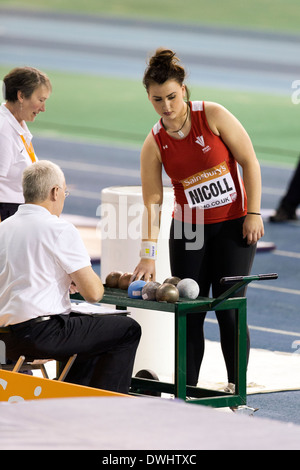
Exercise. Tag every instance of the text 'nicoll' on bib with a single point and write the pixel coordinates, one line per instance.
(210, 188)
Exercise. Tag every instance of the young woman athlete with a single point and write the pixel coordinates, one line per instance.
(216, 219)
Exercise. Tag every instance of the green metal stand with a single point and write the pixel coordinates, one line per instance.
(180, 310)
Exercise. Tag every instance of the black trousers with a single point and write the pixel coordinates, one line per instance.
(7, 209)
(106, 347)
(224, 253)
(291, 200)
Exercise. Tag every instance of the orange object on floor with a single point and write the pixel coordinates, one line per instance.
(15, 387)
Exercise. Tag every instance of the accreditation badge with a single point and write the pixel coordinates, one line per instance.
(210, 188)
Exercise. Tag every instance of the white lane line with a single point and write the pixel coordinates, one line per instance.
(264, 329)
(82, 139)
(272, 191)
(255, 285)
(272, 330)
(85, 194)
(290, 254)
(92, 168)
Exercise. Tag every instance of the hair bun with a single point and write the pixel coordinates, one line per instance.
(162, 57)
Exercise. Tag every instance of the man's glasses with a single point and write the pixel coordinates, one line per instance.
(67, 193)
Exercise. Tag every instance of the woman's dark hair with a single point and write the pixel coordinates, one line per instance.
(24, 79)
(163, 66)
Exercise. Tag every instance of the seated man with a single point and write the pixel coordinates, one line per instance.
(41, 255)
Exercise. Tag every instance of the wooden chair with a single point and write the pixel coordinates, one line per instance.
(22, 365)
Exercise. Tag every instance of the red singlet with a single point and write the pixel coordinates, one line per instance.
(204, 174)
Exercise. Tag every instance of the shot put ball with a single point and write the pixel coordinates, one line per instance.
(124, 281)
(188, 288)
(167, 293)
(135, 289)
(172, 280)
(149, 290)
(113, 278)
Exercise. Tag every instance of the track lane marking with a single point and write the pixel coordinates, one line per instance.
(264, 329)
(289, 254)
(284, 290)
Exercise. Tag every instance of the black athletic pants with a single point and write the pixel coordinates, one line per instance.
(291, 200)
(224, 253)
(106, 347)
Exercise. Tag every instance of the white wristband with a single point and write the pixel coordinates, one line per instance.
(148, 250)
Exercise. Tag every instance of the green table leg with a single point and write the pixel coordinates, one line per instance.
(241, 351)
(180, 354)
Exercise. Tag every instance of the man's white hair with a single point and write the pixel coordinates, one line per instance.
(39, 179)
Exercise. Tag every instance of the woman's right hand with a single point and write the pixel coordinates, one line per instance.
(145, 270)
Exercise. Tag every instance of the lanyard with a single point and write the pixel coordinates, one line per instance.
(29, 149)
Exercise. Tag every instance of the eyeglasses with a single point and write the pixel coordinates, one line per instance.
(67, 193)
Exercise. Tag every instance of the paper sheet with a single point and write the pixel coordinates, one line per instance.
(95, 309)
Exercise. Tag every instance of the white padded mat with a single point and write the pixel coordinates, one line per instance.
(268, 371)
(136, 423)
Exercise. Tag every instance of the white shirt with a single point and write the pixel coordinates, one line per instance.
(13, 156)
(38, 251)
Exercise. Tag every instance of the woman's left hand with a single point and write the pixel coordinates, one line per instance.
(253, 228)
(73, 289)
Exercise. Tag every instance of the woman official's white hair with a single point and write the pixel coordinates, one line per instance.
(39, 179)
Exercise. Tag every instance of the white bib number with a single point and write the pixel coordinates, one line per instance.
(210, 188)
